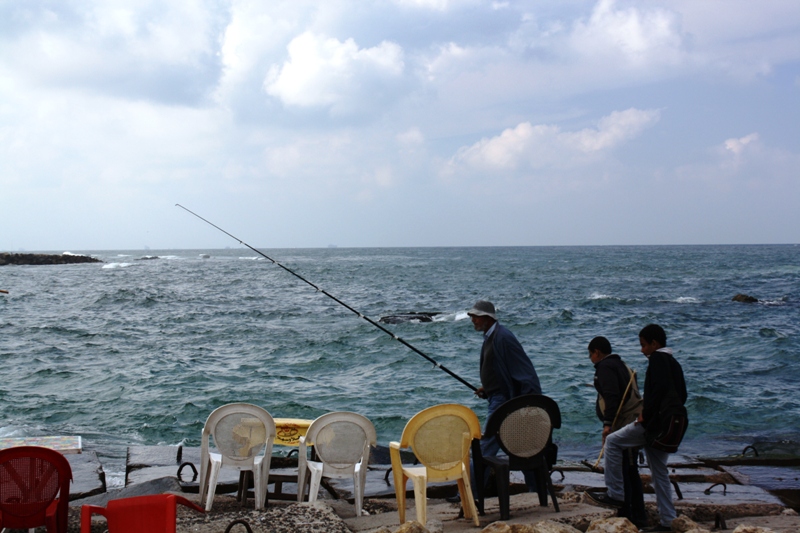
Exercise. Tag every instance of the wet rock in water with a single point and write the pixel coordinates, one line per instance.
(408, 317)
(615, 524)
(744, 298)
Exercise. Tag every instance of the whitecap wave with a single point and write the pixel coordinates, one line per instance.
(601, 296)
(117, 265)
(687, 300)
(254, 258)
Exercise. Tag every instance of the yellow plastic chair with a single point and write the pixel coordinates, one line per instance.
(440, 437)
(241, 432)
(341, 442)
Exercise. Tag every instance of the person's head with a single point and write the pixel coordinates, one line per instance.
(482, 315)
(651, 338)
(599, 348)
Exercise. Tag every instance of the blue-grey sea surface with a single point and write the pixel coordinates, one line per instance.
(140, 349)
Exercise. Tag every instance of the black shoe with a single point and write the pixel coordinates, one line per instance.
(603, 500)
(657, 527)
(453, 499)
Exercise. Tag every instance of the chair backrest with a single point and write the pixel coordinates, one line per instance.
(31, 477)
(436, 435)
(152, 514)
(341, 439)
(524, 425)
(240, 431)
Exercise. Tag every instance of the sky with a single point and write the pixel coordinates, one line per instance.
(370, 123)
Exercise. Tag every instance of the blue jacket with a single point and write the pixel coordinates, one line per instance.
(512, 365)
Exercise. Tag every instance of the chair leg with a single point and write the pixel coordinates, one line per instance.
(315, 472)
(213, 475)
(502, 477)
(552, 490)
(258, 486)
(421, 498)
(358, 487)
(467, 500)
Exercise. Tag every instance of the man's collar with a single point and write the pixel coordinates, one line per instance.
(489, 331)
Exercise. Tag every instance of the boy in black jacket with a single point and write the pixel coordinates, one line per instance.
(663, 373)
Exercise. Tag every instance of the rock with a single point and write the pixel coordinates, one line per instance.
(683, 523)
(412, 527)
(744, 298)
(615, 524)
(497, 527)
(698, 530)
(743, 528)
(502, 527)
(550, 526)
(45, 259)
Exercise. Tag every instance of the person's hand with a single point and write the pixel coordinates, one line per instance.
(606, 432)
(480, 393)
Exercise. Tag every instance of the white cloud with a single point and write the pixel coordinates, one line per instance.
(737, 145)
(639, 37)
(326, 72)
(526, 147)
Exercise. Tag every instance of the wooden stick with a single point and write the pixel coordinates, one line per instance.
(619, 410)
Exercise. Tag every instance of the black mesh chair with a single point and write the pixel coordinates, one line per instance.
(524, 429)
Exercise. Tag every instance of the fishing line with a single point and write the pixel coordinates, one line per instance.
(338, 301)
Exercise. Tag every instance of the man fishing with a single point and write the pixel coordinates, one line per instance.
(506, 371)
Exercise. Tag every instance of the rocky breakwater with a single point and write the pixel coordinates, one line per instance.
(45, 259)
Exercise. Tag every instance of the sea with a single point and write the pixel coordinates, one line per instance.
(139, 349)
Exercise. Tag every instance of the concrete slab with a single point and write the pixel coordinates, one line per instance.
(88, 477)
(155, 486)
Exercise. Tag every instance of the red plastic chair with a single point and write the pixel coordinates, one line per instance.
(34, 488)
(151, 514)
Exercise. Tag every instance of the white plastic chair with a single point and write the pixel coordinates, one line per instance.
(241, 431)
(341, 442)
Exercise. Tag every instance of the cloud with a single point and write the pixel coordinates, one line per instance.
(640, 37)
(737, 145)
(527, 147)
(158, 52)
(338, 75)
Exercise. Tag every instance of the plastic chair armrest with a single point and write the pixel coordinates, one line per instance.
(86, 516)
(188, 503)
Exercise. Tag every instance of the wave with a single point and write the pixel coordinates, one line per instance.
(117, 265)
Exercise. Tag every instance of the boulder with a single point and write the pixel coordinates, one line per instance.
(683, 523)
(550, 526)
(411, 527)
(615, 524)
(751, 529)
(744, 298)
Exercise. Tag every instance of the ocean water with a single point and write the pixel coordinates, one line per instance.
(140, 349)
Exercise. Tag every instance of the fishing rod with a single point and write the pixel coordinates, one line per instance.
(338, 301)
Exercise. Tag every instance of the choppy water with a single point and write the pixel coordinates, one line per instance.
(137, 351)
